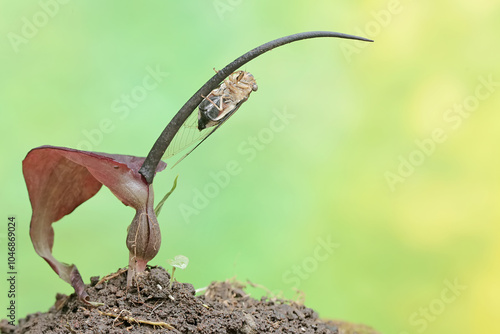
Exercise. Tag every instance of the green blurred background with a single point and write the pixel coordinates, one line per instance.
(339, 201)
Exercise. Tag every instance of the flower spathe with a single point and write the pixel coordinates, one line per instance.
(59, 179)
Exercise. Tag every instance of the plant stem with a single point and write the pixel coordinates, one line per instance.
(172, 278)
(155, 154)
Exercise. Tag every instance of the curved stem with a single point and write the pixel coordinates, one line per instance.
(154, 156)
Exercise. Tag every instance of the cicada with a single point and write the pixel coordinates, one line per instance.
(215, 109)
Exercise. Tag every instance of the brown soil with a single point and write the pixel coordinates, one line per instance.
(157, 308)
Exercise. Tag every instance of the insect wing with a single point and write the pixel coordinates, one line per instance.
(208, 132)
(187, 135)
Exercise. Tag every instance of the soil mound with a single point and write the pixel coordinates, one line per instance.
(156, 307)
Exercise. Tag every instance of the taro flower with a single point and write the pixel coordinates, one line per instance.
(60, 179)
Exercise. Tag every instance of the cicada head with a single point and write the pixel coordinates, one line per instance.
(246, 79)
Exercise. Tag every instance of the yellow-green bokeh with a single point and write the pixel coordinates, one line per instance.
(358, 110)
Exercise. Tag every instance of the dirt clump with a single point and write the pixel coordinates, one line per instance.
(155, 306)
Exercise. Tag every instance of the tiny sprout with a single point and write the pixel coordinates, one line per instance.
(179, 261)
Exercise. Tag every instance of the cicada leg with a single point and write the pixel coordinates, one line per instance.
(213, 103)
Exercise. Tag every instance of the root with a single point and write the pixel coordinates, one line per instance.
(131, 320)
(111, 276)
